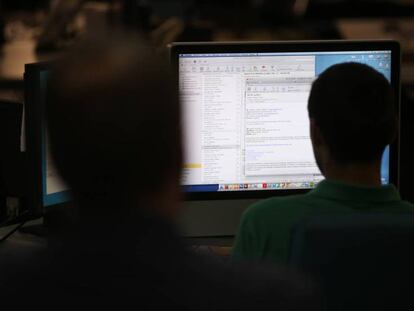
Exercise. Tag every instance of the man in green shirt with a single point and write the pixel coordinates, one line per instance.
(353, 117)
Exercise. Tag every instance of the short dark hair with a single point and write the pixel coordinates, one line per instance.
(114, 118)
(355, 109)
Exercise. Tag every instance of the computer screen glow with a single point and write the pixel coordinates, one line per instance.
(54, 189)
(245, 118)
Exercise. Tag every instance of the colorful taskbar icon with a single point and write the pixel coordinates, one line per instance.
(267, 186)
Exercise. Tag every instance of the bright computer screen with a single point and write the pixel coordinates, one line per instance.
(245, 117)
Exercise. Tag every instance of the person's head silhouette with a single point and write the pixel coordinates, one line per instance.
(114, 124)
(353, 117)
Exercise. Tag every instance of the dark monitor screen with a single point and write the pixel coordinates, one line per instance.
(54, 188)
(48, 188)
(245, 117)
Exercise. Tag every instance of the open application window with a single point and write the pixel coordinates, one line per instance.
(245, 118)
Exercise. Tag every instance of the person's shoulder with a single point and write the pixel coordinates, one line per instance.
(407, 206)
(245, 285)
(283, 289)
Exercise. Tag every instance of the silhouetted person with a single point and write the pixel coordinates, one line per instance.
(353, 117)
(115, 133)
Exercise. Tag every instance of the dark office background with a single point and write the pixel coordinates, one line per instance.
(32, 31)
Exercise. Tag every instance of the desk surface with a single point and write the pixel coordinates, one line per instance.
(215, 246)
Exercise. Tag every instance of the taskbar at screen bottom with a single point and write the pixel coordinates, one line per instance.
(250, 186)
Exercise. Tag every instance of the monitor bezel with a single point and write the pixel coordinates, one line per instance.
(33, 133)
(177, 48)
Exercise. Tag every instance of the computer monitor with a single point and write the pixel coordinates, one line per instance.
(246, 131)
(245, 116)
(46, 188)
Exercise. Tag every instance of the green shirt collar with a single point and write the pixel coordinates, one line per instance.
(347, 192)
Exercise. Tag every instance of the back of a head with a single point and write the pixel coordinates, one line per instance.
(354, 107)
(114, 118)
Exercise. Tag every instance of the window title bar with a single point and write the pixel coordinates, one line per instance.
(279, 54)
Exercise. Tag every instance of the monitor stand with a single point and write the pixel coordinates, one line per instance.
(199, 219)
(213, 218)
